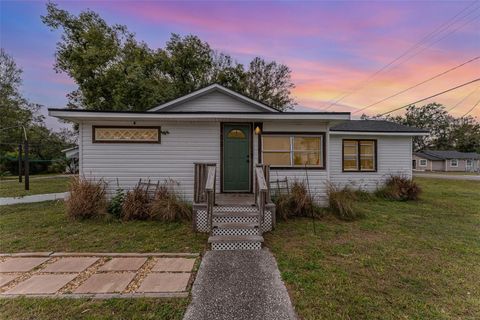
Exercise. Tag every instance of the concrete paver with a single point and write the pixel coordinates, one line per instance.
(173, 264)
(42, 284)
(240, 285)
(70, 264)
(123, 264)
(6, 278)
(21, 264)
(106, 283)
(164, 282)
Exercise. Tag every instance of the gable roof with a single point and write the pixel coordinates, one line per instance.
(212, 88)
(375, 126)
(436, 155)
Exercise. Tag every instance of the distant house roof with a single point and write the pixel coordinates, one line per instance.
(437, 155)
(71, 152)
(375, 126)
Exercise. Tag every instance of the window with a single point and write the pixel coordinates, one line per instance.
(454, 163)
(469, 163)
(423, 162)
(126, 134)
(236, 134)
(292, 150)
(359, 155)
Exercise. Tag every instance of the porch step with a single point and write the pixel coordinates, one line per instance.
(243, 214)
(235, 242)
(235, 225)
(235, 229)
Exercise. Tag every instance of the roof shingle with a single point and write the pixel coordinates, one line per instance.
(375, 126)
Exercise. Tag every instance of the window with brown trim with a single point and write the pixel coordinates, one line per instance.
(292, 150)
(106, 134)
(359, 155)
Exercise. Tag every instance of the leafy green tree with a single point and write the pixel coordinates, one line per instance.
(446, 131)
(115, 72)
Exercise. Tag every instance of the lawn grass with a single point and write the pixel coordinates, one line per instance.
(38, 185)
(404, 260)
(43, 309)
(44, 226)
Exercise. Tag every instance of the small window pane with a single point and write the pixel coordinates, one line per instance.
(236, 134)
(307, 158)
(278, 143)
(350, 148)
(277, 158)
(306, 143)
(367, 163)
(350, 163)
(367, 147)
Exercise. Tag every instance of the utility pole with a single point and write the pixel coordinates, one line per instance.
(20, 163)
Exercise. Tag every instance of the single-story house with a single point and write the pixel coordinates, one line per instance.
(223, 149)
(449, 160)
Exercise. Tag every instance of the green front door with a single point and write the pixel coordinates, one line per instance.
(236, 157)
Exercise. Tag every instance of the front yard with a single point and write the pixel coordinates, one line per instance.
(404, 260)
(38, 185)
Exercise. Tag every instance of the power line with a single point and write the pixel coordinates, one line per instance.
(419, 84)
(463, 99)
(471, 109)
(432, 96)
(438, 30)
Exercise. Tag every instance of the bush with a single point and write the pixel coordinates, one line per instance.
(341, 202)
(296, 204)
(167, 206)
(400, 188)
(135, 204)
(116, 203)
(86, 199)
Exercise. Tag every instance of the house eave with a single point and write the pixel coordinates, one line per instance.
(83, 115)
(379, 133)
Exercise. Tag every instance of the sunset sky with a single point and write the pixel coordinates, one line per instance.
(333, 48)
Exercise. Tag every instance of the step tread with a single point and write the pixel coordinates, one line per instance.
(236, 225)
(235, 239)
(235, 214)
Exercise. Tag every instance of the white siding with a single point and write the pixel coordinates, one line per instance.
(394, 156)
(174, 157)
(215, 102)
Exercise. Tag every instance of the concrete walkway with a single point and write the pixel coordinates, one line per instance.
(448, 176)
(33, 198)
(239, 285)
(103, 275)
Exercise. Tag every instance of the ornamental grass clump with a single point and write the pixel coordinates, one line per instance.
(166, 205)
(400, 188)
(342, 202)
(298, 203)
(87, 199)
(135, 204)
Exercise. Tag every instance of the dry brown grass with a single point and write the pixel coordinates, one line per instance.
(341, 202)
(296, 204)
(400, 188)
(167, 206)
(87, 199)
(135, 204)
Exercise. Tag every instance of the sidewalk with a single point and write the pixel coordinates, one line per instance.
(96, 275)
(33, 198)
(239, 285)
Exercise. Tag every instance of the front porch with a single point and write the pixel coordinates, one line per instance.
(235, 221)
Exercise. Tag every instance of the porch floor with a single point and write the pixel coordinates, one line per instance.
(234, 199)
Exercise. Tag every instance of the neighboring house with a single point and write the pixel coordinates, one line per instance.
(432, 160)
(179, 139)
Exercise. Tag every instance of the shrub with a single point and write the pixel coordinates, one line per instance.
(400, 188)
(341, 202)
(86, 199)
(296, 204)
(167, 206)
(116, 203)
(135, 204)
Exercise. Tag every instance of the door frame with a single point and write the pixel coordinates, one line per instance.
(251, 160)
